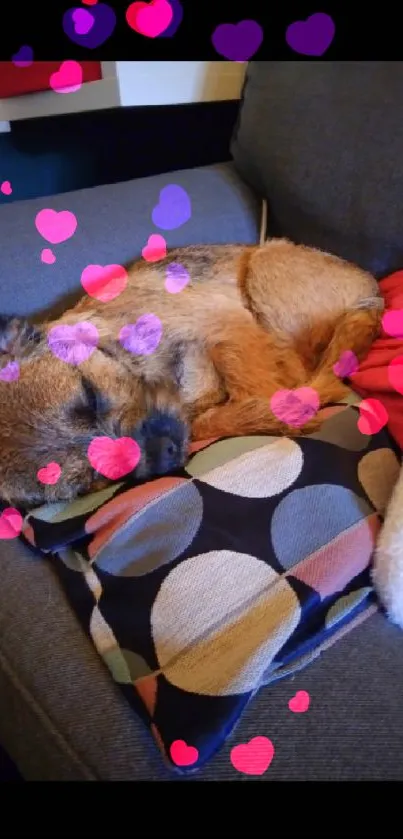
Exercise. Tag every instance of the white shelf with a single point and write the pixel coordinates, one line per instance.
(135, 83)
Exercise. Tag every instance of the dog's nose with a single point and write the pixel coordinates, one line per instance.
(164, 454)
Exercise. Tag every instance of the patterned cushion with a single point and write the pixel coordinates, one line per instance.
(200, 587)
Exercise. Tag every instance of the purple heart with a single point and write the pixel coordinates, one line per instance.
(176, 277)
(104, 22)
(24, 57)
(312, 36)
(176, 20)
(83, 21)
(238, 41)
(174, 208)
(11, 372)
(346, 365)
(73, 343)
(142, 337)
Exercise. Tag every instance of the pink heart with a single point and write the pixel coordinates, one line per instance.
(83, 21)
(373, 416)
(300, 702)
(392, 323)
(104, 282)
(6, 188)
(11, 372)
(10, 523)
(253, 758)
(49, 474)
(68, 78)
(155, 249)
(150, 19)
(47, 256)
(113, 458)
(346, 365)
(55, 227)
(182, 754)
(295, 407)
(73, 343)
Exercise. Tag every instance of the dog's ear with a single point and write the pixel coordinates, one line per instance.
(17, 335)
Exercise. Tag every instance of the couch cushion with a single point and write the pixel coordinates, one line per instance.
(199, 587)
(62, 718)
(323, 142)
(114, 223)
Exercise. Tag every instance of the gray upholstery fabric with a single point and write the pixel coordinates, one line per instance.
(323, 142)
(114, 223)
(62, 717)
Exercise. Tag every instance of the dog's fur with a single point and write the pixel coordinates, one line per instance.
(387, 572)
(252, 320)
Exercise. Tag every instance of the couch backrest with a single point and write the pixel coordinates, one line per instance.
(323, 141)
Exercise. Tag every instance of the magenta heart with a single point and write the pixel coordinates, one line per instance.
(11, 372)
(142, 337)
(346, 365)
(295, 407)
(83, 21)
(55, 226)
(49, 474)
(73, 343)
(10, 523)
(113, 458)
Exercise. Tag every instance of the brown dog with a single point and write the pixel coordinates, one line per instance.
(251, 321)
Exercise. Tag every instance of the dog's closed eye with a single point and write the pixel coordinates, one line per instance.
(92, 404)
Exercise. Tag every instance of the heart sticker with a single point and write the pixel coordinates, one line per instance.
(392, 323)
(177, 17)
(373, 416)
(395, 373)
(104, 282)
(346, 365)
(11, 372)
(83, 21)
(47, 256)
(176, 278)
(49, 474)
(73, 343)
(10, 523)
(150, 19)
(155, 249)
(173, 209)
(68, 78)
(295, 407)
(89, 29)
(238, 41)
(142, 337)
(55, 227)
(182, 754)
(253, 758)
(300, 702)
(312, 36)
(24, 57)
(114, 458)
(6, 188)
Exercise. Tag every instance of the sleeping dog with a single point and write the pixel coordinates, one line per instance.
(250, 322)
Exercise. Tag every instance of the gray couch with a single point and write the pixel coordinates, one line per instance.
(61, 715)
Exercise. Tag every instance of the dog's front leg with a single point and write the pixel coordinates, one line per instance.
(249, 416)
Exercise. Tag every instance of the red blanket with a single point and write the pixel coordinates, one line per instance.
(380, 376)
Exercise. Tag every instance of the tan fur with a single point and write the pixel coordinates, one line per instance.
(251, 321)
